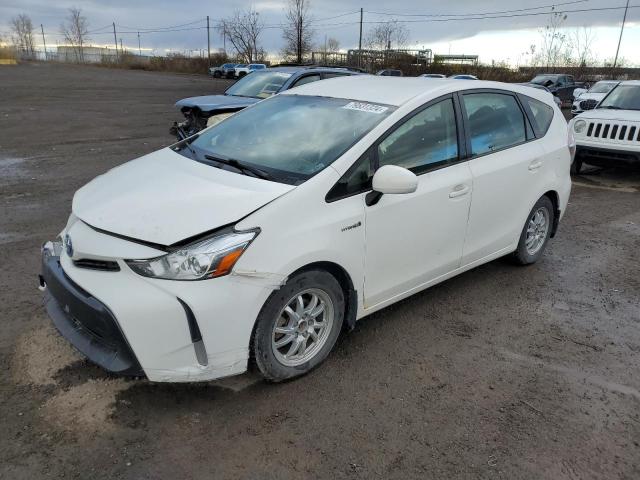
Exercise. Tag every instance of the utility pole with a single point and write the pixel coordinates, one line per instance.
(121, 49)
(208, 43)
(115, 39)
(360, 41)
(325, 49)
(624, 19)
(44, 42)
(139, 49)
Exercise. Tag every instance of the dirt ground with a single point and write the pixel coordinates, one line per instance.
(503, 372)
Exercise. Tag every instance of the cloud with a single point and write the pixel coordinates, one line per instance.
(145, 14)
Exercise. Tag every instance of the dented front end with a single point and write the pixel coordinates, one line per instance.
(171, 331)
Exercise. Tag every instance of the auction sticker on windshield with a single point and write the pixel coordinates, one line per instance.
(366, 107)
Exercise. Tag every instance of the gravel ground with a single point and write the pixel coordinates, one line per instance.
(503, 372)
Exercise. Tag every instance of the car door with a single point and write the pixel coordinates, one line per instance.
(412, 239)
(505, 164)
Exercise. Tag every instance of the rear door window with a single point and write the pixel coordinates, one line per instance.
(542, 115)
(495, 121)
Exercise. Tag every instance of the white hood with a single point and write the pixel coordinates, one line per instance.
(606, 114)
(591, 96)
(164, 197)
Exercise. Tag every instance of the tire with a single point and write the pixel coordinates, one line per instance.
(532, 244)
(216, 74)
(295, 327)
(576, 166)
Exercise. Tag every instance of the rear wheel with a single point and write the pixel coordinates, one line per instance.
(298, 325)
(535, 233)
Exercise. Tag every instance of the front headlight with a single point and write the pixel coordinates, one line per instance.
(209, 258)
(579, 126)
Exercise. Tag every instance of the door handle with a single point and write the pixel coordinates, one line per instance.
(535, 165)
(459, 190)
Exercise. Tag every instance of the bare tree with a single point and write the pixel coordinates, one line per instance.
(387, 36)
(75, 30)
(329, 47)
(22, 34)
(297, 33)
(243, 31)
(581, 41)
(333, 45)
(553, 48)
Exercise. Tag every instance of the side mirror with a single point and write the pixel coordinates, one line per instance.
(391, 179)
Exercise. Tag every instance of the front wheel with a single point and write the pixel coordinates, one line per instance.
(535, 233)
(216, 74)
(298, 325)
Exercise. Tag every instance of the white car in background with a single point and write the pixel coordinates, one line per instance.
(265, 236)
(588, 99)
(609, 135)
(244, 69)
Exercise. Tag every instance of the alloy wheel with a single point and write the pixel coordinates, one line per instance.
(302, 327)
(537, 230)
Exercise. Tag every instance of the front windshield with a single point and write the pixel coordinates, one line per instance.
(545, 80)
(291, 137)
(259, 84)
(623, 97)
(602, 87)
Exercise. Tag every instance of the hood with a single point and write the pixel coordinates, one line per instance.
(208, 103)
(164, 197)
(591, 96)
(605, 114)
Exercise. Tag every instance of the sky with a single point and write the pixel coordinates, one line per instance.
(502, 30)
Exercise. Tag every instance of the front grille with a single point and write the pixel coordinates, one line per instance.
(588, 104)
(102, 265)
(619, 131)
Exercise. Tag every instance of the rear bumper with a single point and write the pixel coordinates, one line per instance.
(607, 157)
(84, 321)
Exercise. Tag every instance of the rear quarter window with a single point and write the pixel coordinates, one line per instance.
(542, 115)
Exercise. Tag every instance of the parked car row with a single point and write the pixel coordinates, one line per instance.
(203, 111)
(235, 70)
(399, 73)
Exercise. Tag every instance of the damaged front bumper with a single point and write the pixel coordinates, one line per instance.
(168, 331)
(83, 320)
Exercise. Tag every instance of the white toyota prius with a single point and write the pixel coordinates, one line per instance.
(265, 236)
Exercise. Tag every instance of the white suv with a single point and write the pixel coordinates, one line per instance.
(588, 99)
(609, 135)
(242, 70)
(265, 236)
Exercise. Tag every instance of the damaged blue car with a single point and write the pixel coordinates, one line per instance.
(201, 112)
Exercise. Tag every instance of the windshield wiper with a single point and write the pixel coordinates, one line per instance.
(243, 167)
(185, 142)
(611, 107)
